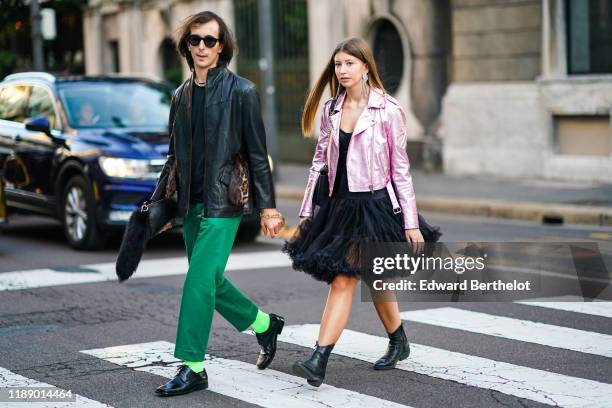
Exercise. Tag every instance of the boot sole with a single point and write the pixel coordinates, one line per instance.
(303, 372)
(199, 386)
(391, 367)
(280, 330)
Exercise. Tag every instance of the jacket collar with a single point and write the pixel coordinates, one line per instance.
(212, 76)
(376, 100)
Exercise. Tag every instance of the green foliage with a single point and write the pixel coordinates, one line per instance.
(174, 75)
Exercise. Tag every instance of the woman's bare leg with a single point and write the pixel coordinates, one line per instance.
(389, 315)
(337, 309)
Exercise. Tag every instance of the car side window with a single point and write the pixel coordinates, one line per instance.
(40, 103)
(13, 100)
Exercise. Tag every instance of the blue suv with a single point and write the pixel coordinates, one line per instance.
(86, 150)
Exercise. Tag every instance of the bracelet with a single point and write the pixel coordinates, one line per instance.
(277, 215)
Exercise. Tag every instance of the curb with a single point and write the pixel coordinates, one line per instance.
(518, 210)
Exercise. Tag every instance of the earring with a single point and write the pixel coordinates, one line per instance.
(364, 88)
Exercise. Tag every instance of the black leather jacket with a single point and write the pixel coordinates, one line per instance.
(233, 124)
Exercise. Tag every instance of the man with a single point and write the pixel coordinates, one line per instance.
(215, 115)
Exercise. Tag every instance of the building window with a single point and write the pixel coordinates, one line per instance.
(389, 54)
(583, 135)
(113, 47)
(589, 25)
(172, 70)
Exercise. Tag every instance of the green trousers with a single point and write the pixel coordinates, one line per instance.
(208, 242)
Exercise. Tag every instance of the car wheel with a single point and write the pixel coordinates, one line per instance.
(79, 215)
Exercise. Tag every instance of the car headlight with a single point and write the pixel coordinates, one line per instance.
(129, 168)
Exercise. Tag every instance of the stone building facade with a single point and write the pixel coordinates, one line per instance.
(520, 103)
(517, 88)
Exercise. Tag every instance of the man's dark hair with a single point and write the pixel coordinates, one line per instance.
(225, 37)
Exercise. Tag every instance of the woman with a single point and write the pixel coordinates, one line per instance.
(362, 139)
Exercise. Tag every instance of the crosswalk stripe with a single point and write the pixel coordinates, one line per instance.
(603, 309)
(523, 382)
(243, 381)
(9, 379)
(516, 329)
(37, 278)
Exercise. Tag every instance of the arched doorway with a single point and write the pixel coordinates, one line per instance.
(389, 54)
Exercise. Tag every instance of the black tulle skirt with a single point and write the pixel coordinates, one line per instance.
(332, 242)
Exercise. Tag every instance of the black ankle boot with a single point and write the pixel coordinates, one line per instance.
(398, 350)
(313, 369)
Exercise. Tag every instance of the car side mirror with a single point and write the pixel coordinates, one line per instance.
(38, 124)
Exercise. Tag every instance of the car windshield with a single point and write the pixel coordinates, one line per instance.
(112, 104)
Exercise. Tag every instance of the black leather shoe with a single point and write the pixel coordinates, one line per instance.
(397, 350)
(184, 382)
(267, 341)
(313, 369)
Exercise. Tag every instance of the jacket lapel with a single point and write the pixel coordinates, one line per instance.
(187, 103)
(367, 118)
(335, 126)
(364, 122)
(335, 117)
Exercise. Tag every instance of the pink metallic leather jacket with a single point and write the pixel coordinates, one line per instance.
(376, 156)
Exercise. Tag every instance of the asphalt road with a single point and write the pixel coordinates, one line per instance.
(48, 332)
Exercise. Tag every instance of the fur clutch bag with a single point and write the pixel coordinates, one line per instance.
(149, 220)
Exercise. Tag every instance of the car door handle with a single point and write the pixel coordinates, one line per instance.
(18, 138)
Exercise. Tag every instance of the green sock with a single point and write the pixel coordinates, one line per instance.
(261, 323)
(196, 366)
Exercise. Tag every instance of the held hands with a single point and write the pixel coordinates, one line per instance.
(415, 238)
(272, 222)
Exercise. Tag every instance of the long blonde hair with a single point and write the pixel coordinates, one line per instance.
(359, 49)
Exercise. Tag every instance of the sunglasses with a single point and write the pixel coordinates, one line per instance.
(209, 40)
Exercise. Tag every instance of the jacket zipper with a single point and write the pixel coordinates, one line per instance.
(372, 159)
(330, 143)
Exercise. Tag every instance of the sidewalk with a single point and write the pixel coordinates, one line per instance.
(525, 199)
